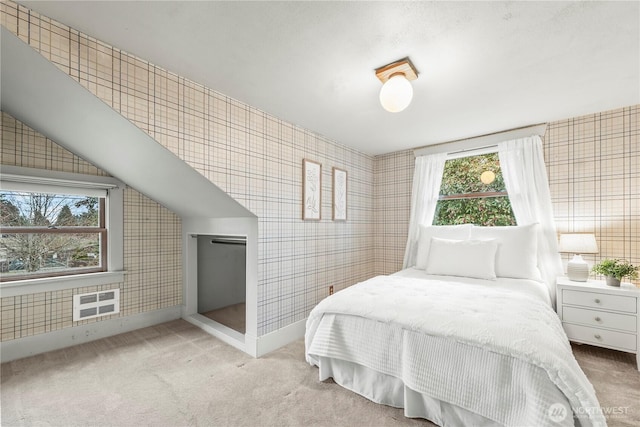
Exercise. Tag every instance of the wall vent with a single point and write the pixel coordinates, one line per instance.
(96, 304)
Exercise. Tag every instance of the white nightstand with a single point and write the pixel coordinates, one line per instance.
(597, 314)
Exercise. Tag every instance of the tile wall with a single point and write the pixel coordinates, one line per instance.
(593, 165)
(254, 157)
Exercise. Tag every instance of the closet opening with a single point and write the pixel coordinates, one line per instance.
(221, 276)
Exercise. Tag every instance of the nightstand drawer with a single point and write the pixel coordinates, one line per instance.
(600, 337)
(604, 319)
(595, 300)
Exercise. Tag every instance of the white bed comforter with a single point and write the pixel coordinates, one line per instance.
(497, 353)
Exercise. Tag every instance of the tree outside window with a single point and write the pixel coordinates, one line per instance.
(45, 235)
(466, 199)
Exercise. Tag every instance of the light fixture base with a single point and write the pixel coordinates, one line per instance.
(403, 66)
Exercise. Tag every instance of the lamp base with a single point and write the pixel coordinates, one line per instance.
(578, 269)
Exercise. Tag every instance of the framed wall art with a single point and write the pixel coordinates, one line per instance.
(311, 190)
(339, 194)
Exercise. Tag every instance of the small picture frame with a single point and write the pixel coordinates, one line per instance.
(339, 194)
(311, 190)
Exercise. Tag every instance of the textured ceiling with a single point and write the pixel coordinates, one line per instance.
(484, 66)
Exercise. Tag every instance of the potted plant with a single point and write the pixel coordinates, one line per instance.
(615, 270)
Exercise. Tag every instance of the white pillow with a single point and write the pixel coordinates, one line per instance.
(467, 258)
(517, 255)
(454, 232)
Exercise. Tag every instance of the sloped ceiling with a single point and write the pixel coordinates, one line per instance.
(484, 66)
(46, 99)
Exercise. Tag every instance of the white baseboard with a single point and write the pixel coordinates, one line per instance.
(41, 343)
(276, 339)
(253, 346)
(36, 344)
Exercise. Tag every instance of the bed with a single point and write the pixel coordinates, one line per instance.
(457, 349)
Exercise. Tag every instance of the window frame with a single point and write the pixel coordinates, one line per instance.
(101, 229)
(468, 196)
(111, 217)
(478, 195)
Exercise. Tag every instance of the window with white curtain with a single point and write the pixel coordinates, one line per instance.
(473, 192)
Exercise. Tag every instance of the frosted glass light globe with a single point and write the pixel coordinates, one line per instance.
(396, 93)
(487, 177)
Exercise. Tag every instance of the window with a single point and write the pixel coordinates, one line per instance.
(56, 225)
(51, 234)
(465, 198)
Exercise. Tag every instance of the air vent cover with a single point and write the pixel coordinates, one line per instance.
(96, 304)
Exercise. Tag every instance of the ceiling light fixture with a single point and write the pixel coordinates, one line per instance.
(396, 92)
(487, 177)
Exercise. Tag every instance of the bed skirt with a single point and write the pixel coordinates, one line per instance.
(391, 391)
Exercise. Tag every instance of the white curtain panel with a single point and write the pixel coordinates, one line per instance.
(427, 178)
(525, 176)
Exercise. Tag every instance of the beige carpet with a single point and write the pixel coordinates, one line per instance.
(174, 374)
(616, 381)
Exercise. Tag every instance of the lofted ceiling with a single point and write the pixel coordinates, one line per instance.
(484, 66)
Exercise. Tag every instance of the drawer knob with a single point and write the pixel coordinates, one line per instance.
(598, 319)
(597, 301)
(597, 336)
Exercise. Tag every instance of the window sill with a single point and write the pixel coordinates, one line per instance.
(48, 284)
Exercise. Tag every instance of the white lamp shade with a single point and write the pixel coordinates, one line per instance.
(396, 93)
(579, 243)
